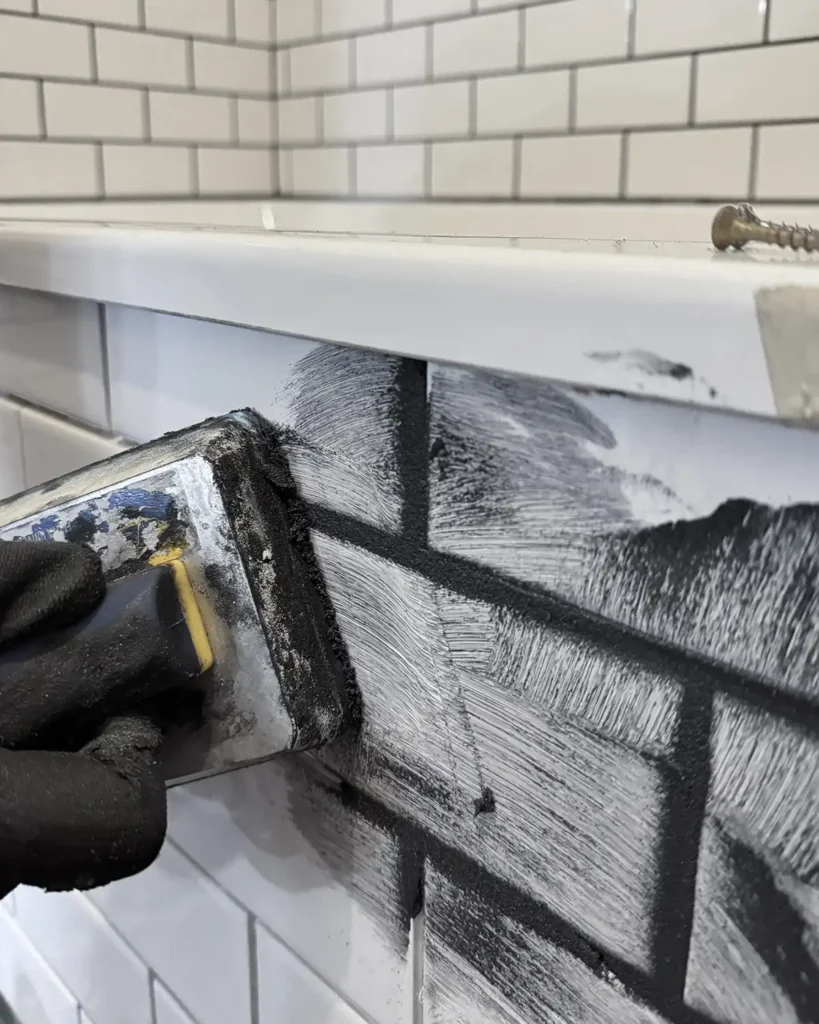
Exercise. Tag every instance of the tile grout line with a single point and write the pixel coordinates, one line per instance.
(233, 117)
(93, 56)
(517, 166)
(141, 15)
(572, 124)
(146, 116)
(472, 115)
(624, 157)
(352, 158)
(753, 162)
(41, 108)
(102, 319)
(259, 923)
(99, 162)
(429, 54)
(190, 64)
(231, 20)
(253, 967)
(419, 936)
(766, 25)
(152, 980)
(693, 83)
(521, 38)
(193, 161)
(631, 45)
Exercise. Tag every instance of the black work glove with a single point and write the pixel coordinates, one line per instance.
(73, 813)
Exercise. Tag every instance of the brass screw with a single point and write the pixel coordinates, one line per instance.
(736, 225)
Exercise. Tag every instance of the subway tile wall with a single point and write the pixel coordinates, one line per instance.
(136, 98)
(569, 800)
(548, 99)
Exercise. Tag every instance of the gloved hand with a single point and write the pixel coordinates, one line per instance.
(71, 816)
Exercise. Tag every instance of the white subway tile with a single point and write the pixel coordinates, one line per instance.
(346, 17)
(710, 163)
(202, 17)
(788, 158)
(52, 49)
(28, 984)
(11, 481)
(530, 102)
(240, 171)
(18, 107)
(168, 1010)
(24, 6)
(472, 168)
(197, 944)
(428, 10)
(769, 83)
(295, 20)
(152, 392)
(106, 977)
(490, 5)
(254, 20)
(793, 19)
(353, 116)
(231, 67)
(52, 447)
(257, 120)
(324, 171)
(298, 119)
(390, 170)
(117, 12)
(187, 117)
(304, 866)
(289, 991)
(576, 30)
(574, 165)
(140, 58)
(146, 170)
(93, 111)
(47, 169)
(391, 57)
(320, 66)
(641, 92)
(488, 42)
(426, 111)
(51, 352)
(698, 24)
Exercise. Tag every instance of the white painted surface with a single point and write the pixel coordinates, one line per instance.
(584, 318)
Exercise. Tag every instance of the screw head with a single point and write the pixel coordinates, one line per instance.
(723, 226)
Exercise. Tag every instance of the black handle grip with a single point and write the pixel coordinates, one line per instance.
(135, 644)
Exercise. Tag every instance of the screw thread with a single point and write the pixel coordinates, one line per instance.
(736, 225)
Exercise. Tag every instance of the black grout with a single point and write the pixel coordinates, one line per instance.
(141, 17)
(388, 13)
(353, 62)
(766, 27)
(572, 122)
(233, 114)
(631, 45)
(93, 54)
(102, 319)
(131, 141)
(566, 65)
(162, 87)
(133, 29)
(319, 114)
(352, 158)
(624, 155)
(193, 161)
(753, 162)
(538, 605)
(686, 787)
(190, 64)
(231, 21)
(391, 113)
(692, 89)
(429, 54)
(253, 967)
(99, 163)
(427, 170)
(472, 117)
(146, 116)
(521, 38)
(41, 109)
(517, 166)
(412, 448)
